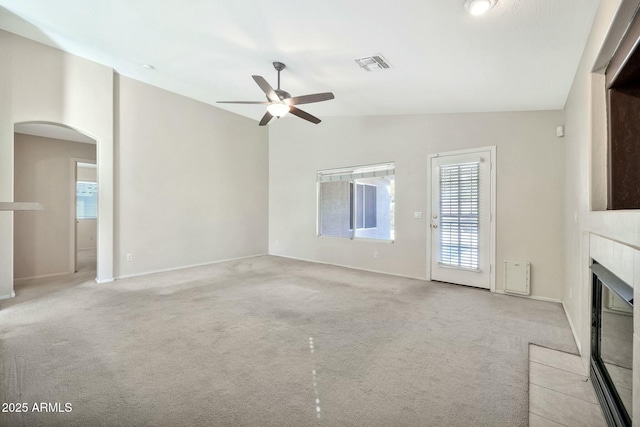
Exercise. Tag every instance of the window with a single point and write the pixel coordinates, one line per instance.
(86, 200)
(357, 202)
(366, 215)
(460, 215)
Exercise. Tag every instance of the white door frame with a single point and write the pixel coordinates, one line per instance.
(493, 186)
(73, 229)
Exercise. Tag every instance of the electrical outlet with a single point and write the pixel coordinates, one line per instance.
(129, 257)
(375, 254)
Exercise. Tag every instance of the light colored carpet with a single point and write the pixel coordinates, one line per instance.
(256, 342)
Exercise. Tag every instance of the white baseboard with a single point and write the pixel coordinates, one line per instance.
(573, 329)
(42, 276)
(109, 280)
(164, 270)
(11, 295)
(352, 267)
(535, 297)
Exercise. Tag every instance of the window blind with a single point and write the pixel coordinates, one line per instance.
(358, 172)
(460, 215)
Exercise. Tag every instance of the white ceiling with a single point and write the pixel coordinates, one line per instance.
(522, 55)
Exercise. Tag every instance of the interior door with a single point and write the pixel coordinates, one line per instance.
(461, 218)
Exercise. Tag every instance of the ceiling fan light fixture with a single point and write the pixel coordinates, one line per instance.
(278, 109)
(479, 7)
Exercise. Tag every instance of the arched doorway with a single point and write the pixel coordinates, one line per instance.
(46, 157)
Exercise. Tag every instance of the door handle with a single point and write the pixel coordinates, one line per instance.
(434, 225)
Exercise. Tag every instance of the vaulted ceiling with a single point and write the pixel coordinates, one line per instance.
(521, 55)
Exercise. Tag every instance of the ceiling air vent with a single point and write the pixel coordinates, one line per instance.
(373, 63)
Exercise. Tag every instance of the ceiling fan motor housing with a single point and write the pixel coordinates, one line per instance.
(282, 94)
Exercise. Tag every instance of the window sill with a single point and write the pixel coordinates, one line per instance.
(357, 239)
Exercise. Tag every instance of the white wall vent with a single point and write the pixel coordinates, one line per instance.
(373, 63)
(517, 277)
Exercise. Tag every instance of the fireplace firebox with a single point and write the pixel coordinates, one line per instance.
(612, 345)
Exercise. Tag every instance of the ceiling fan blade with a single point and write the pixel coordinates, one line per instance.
(243, 102)
(304, 115)
(308, 99)
(265, 119)
(266, 88)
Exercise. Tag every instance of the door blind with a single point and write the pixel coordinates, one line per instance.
(460, 215)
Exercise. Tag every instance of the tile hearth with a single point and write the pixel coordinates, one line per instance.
(560, 391)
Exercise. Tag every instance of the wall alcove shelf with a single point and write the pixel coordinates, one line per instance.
(623, 102)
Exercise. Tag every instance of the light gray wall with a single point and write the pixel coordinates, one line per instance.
(610, 237)
(87, 174)
(192, 179)
(530, 190)
(192, 182)
(39, 83)
(43, 173)
(86, 233)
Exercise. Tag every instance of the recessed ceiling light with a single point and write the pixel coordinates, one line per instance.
(147, 66)
(479, 7)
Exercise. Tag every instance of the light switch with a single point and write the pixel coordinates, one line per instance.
(417, 215)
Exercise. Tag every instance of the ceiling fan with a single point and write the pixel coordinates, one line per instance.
(280, 102)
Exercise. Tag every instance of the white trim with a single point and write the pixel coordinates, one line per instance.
(615, 33)
(494, 195)
(42, 276)
(73, 260)
(11, 295)
(359, 239)
(351, 267)
(127, 276)
(356, 172)
(535, 297)
(318, 213)
(573, 329)
(104, 280)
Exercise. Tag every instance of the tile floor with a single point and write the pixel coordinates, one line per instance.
(560, 391)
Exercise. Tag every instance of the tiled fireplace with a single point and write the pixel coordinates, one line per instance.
(612, 345)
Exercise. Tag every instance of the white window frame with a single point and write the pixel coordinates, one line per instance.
(352, 174)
